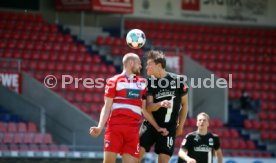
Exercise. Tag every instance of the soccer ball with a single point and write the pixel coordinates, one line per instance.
(136, 39)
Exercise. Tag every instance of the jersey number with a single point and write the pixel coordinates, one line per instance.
(209, 153)
(169, 110)
(169, 142)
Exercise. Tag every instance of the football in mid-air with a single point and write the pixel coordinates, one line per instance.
(136, 38)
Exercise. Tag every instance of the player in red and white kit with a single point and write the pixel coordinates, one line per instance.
(123, 109)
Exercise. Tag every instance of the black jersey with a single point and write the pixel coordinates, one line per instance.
(172, 88)
(200, 147)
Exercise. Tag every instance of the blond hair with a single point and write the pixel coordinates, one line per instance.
(204, 114)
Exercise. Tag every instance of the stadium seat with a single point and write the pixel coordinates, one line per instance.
(8, 138)
(38, 138)
(23, 147)
(264, 135)
(234, 133)
(47, 139)
(17, 138)
(4, 147)
(43, 147)
(225, 133)
(3, 128)
(34, 147)
(12, 127)
(32, 127)
(263, 115)
(13, 147)
(28, 138)
(250, 145)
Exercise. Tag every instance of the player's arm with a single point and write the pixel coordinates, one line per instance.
(105, 112)
(182, 115)
(151, 106)
(219, 155)
(148, 116)
(183, 154)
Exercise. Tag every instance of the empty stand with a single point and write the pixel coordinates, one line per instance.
(24, 136)
(44, 49)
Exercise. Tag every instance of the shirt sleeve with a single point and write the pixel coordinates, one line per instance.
(183, 87)
(186, 142)
(110, 88)
(216, 142)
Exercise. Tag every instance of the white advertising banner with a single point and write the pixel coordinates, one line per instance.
(11, 80)
(248, 12)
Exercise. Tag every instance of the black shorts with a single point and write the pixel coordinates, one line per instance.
(163, 144)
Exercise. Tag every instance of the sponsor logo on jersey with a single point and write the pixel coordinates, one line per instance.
(211, 141)
(173, 84)
(202, 148)
(184, 141)
(132, 93)
(164, 93)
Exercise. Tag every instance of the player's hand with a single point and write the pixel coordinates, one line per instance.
(165, 104)
(191, 160)
(163, 131)
(179, 131)
(95, 131)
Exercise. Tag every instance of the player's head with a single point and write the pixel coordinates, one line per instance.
(156, 62)
(202, 121)
(132, 62)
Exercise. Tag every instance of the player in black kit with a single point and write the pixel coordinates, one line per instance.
(167, 99)
(198, 146)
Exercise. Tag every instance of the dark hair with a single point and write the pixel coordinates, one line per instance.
(157, 57)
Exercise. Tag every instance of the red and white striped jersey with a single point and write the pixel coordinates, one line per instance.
(127, 94)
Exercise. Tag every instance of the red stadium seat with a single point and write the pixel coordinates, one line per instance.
(43, 147)
(250, 145)
(68, 38)
(3, 147)
(263, 115)
(38, 139)
(234, 144)
(34, 147)
(273, 135)
(225, 144)
(28, 138)
(3, 128)
(242, 144)
(225, 133)
(17, 138)
(248, 124)
(265, 135)
(13, 147)
(47, 139)
(264, 125)
(22, 127)
(12, 127)
(32, 127)
(8, 138)
(234, 133)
